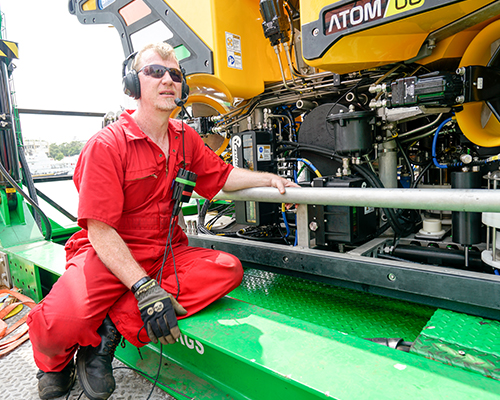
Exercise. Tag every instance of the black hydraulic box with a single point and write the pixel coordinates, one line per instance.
(341, 224)
(254, 150)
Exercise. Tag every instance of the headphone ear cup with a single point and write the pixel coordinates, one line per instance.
(184, 87)
(131, 84)
(184, 90)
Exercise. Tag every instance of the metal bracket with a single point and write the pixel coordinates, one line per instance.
(5, 278)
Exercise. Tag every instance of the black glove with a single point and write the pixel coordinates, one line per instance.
(158, 311)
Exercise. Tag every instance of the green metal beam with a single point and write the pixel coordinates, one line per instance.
(18, 226)
(252, 353)
(235, 349)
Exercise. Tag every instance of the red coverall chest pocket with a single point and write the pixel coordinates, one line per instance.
(139, 188)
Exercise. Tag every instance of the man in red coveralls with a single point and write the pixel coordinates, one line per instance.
(117, 280)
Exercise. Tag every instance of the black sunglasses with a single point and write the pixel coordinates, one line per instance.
(157, 71)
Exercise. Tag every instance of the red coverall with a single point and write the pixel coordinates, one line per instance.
(123, 180)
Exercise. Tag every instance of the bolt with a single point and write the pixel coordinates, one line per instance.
(391, 277)
(461, 353)
(315, 32)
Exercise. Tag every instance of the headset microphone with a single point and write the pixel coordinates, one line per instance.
(179, 102)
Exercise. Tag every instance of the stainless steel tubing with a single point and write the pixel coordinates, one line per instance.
(473, 200)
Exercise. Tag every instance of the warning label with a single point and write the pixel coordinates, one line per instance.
(233, 51)
(263, 152)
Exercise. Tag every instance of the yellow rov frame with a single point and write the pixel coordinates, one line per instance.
(341, 36)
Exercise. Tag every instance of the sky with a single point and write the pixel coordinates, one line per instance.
(63, 65)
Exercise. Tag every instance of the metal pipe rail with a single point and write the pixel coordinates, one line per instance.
(455, 289)
(470, 200)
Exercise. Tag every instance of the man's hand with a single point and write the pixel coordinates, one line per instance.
(241, 178)
(158, 311)
(280, 183)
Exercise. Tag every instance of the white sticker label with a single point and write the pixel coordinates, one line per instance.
(233, 51)
(263, 152)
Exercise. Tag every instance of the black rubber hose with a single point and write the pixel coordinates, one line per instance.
(408, 163)
(201, 218)
(28, 179)
(372, 179)
(422, 173)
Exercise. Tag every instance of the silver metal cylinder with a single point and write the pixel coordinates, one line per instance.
(388, 164)
(305, 104)
(258, 117)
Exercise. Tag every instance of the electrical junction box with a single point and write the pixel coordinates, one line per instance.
(254, 150)
(341, 224)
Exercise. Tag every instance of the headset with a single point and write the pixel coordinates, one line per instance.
(132, 85)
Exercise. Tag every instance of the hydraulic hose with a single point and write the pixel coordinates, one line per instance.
(201, 218)
(30, 184)
(408, 163)
(371, 178)
(308, 164)
(434, 142)
(421, 174)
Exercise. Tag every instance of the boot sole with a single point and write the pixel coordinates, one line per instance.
(82, 376)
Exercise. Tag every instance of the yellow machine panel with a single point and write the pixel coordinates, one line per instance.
(243, 59)
(343, 37)
(476, 120)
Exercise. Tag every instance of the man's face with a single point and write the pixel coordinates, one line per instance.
(158, 94)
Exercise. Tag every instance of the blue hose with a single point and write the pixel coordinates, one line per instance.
(283, 213)
(310, 164)
(436, 163)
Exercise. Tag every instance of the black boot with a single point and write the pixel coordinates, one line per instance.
(93, 364)
(56, 384)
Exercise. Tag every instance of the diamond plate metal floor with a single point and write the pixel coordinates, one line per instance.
(18, 378)
(360, 314)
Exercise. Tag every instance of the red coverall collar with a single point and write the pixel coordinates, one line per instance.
(133, 132)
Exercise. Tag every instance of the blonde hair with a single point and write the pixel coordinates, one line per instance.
(163, 49)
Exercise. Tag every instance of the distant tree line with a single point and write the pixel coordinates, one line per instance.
(59, 151)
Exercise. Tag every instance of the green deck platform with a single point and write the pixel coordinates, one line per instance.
(281, 337)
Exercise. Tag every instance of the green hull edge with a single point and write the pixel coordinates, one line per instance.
(236, 349)
(252, 353)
